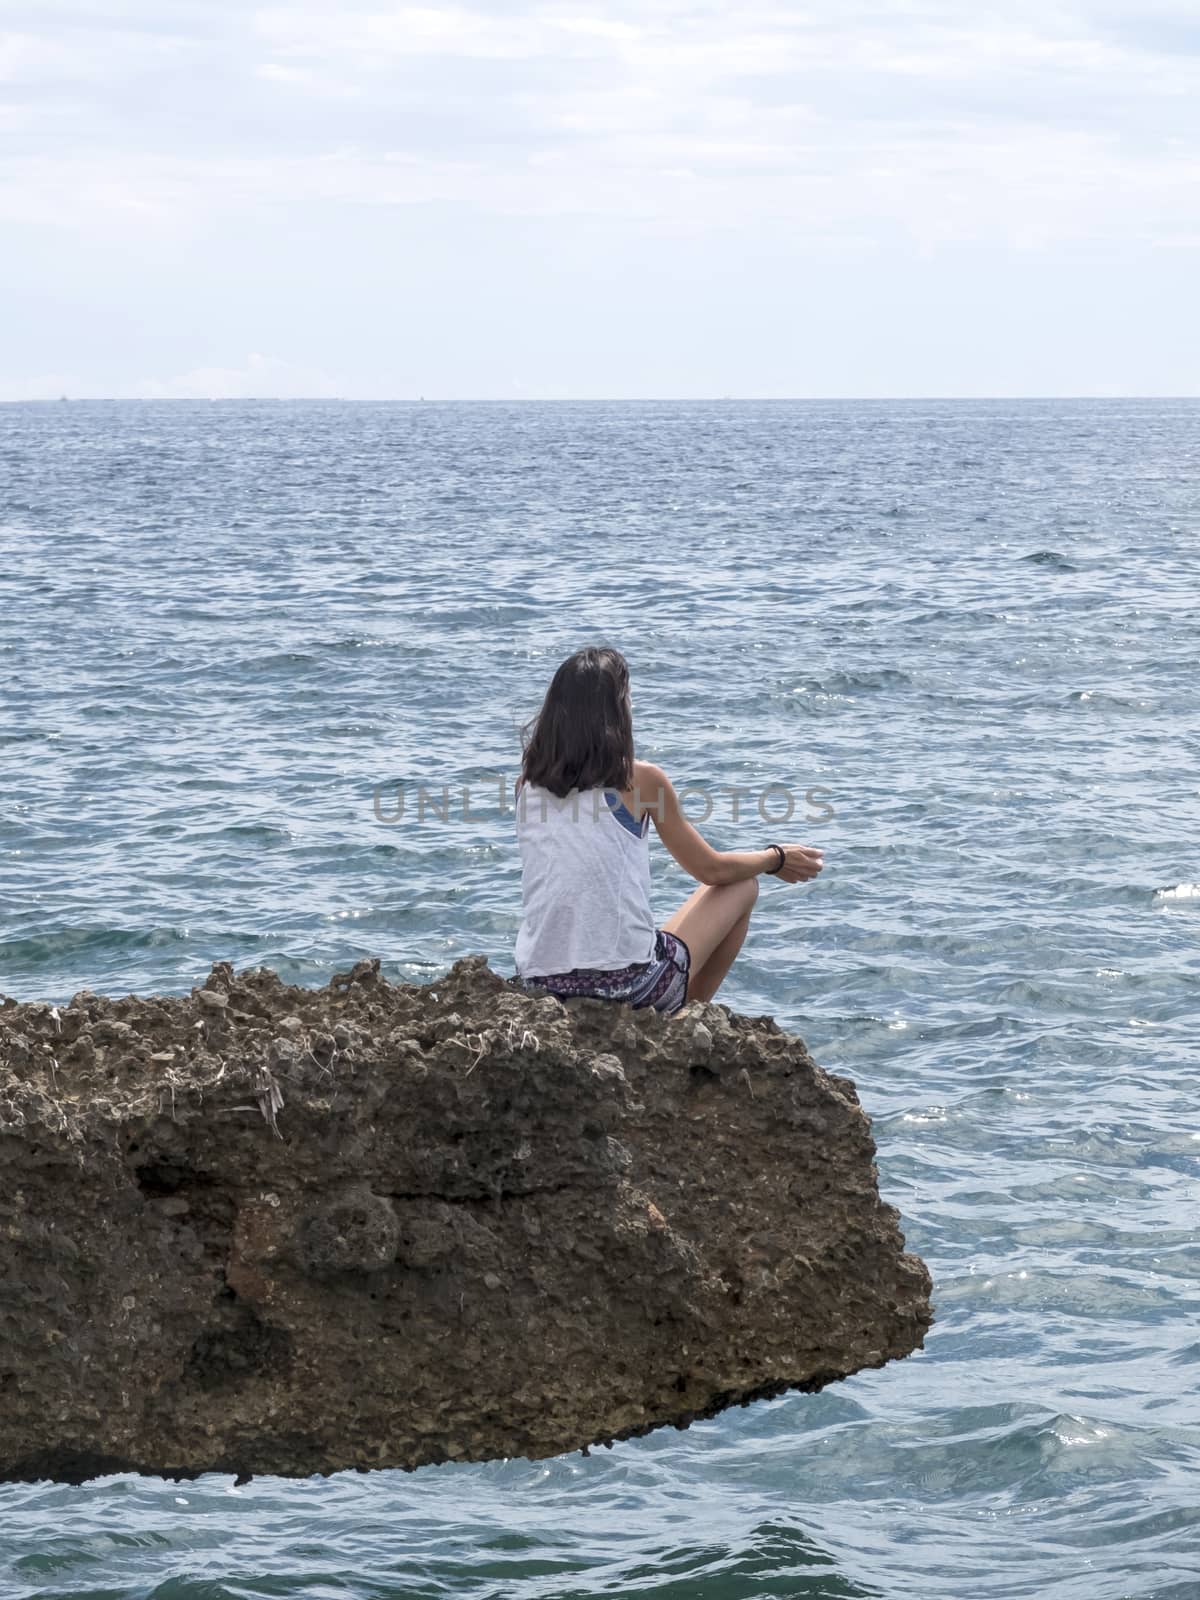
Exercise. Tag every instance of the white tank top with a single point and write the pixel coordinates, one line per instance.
(585, 884)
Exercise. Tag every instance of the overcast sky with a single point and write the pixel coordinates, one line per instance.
(660, 198)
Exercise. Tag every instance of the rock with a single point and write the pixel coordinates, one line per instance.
(701, 1041)
(111, 1030)
(365, 971)
(355, 1231)
(512, 1227)
(83, 1050)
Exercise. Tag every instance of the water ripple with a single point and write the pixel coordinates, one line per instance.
(225, 628)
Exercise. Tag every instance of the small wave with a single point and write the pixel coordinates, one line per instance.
(1177, 894)
(84, 944)
(491, 613)
(359, 641)
(953, 614)
(849, 682)
(1072, 1445)
(284, 660)
(1051, 559)
(1103, 698)
(256, 832)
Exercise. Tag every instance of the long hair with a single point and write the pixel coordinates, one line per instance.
(582, 738)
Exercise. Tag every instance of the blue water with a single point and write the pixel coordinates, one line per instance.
(227, 630)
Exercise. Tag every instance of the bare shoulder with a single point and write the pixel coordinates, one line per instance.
(651, 786)
(647, 776)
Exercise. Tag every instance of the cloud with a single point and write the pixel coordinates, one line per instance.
(666, 111)
(47, 386)
(258, 377)
(158, 154)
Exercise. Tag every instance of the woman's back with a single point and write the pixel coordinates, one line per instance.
(585, 883)
(586, 926)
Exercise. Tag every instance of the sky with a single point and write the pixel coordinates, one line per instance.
(667, 198)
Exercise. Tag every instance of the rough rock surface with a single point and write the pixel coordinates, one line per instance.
(267, 1229)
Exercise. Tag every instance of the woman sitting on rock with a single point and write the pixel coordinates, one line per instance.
(583, 811)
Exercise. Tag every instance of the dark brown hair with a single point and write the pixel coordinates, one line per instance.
(582, 738)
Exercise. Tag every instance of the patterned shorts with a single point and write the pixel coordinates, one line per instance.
(660, 982)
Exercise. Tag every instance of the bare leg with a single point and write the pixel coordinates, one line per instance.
(712, 922)
(704, 984)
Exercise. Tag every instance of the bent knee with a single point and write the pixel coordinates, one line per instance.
(746, 893)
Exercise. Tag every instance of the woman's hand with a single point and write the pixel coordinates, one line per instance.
(801, 862)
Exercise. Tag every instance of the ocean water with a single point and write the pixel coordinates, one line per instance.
(234, 636)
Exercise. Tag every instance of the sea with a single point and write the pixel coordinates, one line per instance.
(263, 671)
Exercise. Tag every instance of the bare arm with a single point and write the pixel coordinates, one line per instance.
(654, 792)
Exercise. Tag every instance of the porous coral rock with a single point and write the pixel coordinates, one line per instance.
(267, 1229)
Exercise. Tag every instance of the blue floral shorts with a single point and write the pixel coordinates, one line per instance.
(660, 983)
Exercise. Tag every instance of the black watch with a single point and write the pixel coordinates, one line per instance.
(779, 865)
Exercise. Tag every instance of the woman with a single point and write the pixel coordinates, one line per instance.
(584, 806)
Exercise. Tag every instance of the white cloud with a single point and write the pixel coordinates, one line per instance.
(369, 38)
(175, 142)
(274, 72)
(661, 111)
(46, 386)
(259, 377)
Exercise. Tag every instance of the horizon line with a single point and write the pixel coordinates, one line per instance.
(615, 399)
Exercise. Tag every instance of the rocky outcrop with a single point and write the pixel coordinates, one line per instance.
(265, 1229)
